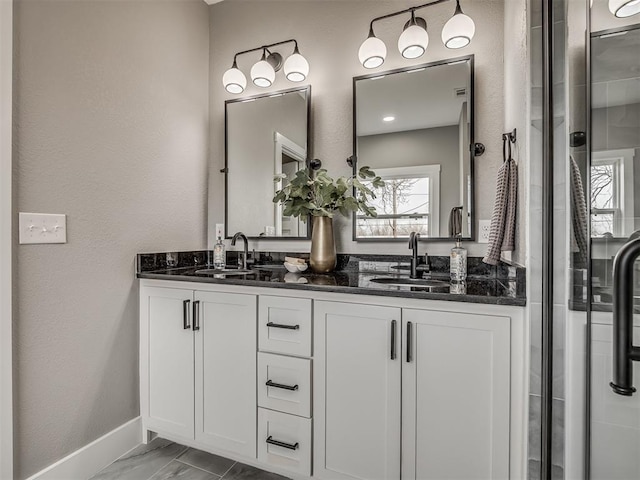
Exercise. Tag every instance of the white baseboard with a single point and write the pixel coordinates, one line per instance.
(90, 459)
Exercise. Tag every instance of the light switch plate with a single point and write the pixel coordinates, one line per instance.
(42, 228)
(484, 226)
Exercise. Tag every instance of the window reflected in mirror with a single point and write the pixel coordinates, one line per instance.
(408, 202)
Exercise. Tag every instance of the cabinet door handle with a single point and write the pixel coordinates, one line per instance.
(278, 443)
(393, 339)
(185, 314)
(408, 342)
(287, 327)
(280, 385)
(196, 315)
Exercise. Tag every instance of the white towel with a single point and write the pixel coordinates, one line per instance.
(503, 221)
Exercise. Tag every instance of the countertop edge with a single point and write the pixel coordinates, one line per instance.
(463, 298)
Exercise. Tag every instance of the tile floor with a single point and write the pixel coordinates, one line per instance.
(163, 460)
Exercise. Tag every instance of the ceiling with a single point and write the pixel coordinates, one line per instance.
(424, 98)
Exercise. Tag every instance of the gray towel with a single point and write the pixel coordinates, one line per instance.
(455, 222)
(503, 221)
(579, 212)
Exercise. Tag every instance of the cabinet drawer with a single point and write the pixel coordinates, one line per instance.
(285, 325)
(284, 441)
(289, 388)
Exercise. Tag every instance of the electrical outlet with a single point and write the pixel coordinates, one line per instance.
(219, 230)
(42, 228)
(484, 226)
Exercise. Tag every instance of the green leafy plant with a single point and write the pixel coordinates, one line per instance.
(322, 196)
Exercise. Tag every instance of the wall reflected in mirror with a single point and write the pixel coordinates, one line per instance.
(414, 128)
(266, 141)
(615, 142)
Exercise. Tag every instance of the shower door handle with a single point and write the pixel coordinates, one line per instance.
(624, 353)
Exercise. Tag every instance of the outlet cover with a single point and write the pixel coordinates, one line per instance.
(484, 226)
(42, 228)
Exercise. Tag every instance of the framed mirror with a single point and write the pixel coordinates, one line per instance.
(414, 128)
(266, 139)
(615, 139)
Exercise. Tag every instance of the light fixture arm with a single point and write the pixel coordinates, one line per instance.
(266, 47)
(408, 10)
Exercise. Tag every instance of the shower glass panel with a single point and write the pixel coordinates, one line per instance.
(614, 181)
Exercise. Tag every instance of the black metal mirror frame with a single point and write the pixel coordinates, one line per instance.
(225, 170)
(474, 151)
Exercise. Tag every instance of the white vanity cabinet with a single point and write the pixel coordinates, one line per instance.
(447, 389)
(198, 367)
(333, 386)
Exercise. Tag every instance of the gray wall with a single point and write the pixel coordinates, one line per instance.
(329, 34)
(431, 146)
(110, 125)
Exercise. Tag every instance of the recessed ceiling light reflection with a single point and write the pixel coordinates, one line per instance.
(388, 118)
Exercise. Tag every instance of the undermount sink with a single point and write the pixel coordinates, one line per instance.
(223, 271)
(411, 282)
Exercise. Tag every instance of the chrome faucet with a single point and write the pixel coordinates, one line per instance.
(417, 267)
(246, 247)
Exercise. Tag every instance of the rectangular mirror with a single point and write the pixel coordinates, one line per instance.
(414, 128)
(266, 138)
(615, 139)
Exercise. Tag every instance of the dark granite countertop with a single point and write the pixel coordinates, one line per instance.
(354, 277)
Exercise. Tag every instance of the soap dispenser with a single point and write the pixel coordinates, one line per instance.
(458, 262)
(219, 257)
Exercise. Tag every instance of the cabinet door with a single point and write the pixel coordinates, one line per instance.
(455, 397)
(356, 392)
(226, 407)
(167, 366)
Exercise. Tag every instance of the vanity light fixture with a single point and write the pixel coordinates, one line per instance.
(624, 8)
(413, 41)
(263, 72)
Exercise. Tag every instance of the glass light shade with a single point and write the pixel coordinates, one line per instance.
(458, 31)
(234, 81)
(296, 68)
(263, 74)
(372, 52)
(413, 42)
(624, 8)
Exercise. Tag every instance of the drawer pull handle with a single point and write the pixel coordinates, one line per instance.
(288, 327)
(277, 443)
(279, 385)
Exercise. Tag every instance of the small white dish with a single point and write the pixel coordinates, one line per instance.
(294, 268)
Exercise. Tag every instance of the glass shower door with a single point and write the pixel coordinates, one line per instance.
(614, 198)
